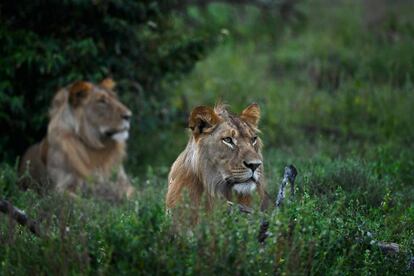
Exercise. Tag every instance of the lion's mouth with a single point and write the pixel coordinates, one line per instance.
(232, 180)
(238, 181)
(118, 135)
(245, 187)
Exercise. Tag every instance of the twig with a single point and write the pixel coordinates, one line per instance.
(288, 178)
(18, 215)
(389, 248)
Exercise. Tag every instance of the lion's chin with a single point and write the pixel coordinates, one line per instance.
(245, 188)
(121, 136)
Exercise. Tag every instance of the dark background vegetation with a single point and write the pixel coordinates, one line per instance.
(334, 80)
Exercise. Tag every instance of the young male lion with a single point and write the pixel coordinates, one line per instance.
(85, 143)
(222, 157)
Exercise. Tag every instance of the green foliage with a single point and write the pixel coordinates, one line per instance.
(323, 231)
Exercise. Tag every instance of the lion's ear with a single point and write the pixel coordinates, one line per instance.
(108, 83)
(202, 119)
(251, 114)
(78, 92)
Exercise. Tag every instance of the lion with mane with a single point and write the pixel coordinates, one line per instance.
(85, 144)
(222, 158)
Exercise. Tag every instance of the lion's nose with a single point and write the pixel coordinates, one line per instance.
(253, 165)
(126, 116)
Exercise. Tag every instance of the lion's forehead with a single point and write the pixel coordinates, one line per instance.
(101, 92)
(109, 96)
(237, 127)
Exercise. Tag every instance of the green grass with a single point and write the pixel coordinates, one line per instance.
(323, 231)
(336, 101)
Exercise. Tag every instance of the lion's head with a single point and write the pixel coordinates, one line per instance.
(93, 112)
(227, 149)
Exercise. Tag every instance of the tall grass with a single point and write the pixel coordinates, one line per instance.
(323, 231)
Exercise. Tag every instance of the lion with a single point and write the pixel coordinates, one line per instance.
(222, 158)
(85, 144)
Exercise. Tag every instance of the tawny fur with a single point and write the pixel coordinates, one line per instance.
(210, 165)
(77, 154)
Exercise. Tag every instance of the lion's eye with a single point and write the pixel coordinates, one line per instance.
(254, 140)
(228, 141)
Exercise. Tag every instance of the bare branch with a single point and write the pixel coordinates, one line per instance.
(19, 216)
(288, 178)
(389, 248)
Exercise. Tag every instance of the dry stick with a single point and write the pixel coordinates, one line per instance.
(18, 215)
(289, 177)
